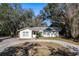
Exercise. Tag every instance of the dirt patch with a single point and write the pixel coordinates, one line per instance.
(37, 49)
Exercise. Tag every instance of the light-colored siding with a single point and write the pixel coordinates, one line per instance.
(28, 33)
(25, 33)
(50, 34)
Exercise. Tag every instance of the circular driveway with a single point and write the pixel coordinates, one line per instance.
(13, 41)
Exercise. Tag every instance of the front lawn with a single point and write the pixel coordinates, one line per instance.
(62, 39)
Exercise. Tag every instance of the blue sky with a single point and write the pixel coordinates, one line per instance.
(36, 7)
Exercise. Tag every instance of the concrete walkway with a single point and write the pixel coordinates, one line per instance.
(13, 41)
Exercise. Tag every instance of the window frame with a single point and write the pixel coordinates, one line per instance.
(25, 33)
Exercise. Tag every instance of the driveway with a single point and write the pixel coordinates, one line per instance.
(13, 41)
(3, 38)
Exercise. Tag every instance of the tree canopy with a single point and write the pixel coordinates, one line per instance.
(13, 18)
(65, 16)
(62, 15)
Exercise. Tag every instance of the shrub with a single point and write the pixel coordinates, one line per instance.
(38, 34)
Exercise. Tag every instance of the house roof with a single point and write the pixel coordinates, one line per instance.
(40, 28)
(33, 28)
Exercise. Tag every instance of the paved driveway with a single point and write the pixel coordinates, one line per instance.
(13, 41)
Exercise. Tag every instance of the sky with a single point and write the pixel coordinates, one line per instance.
(36, 7)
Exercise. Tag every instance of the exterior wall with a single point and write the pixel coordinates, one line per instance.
(45, 34)
(28, 34)
(50, 34)
(54, 34)
(34, 36)
(31, 35)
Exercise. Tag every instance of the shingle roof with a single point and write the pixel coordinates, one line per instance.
(34, 28)
(40, 28)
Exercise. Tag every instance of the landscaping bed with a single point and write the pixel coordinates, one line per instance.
(37, 49)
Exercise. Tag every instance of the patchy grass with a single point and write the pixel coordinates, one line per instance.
(53, 45)
(56, 38)
(62, 39)
(50, 45)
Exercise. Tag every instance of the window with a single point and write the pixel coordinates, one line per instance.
(25, 33)
(55, 33)
(48, 33)
(44, 33)
(52, 33)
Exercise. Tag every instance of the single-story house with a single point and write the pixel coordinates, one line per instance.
(30, 32)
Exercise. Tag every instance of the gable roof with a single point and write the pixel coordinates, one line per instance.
(40, 28)
(34, 28)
